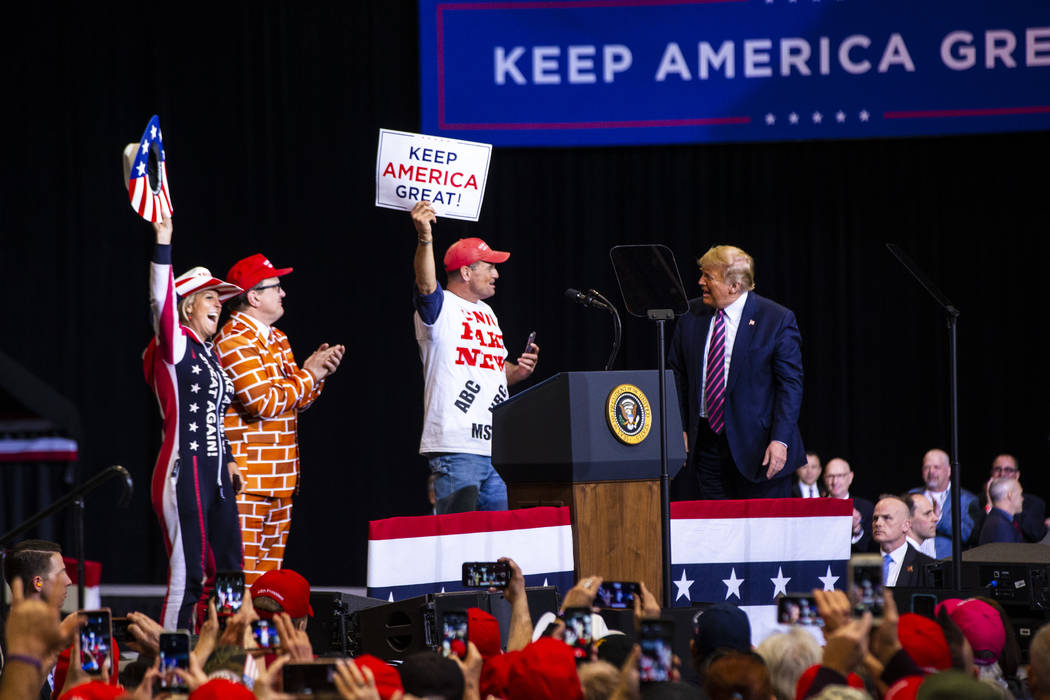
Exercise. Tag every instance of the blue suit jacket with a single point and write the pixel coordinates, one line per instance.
(764, 390)
(999, 527)
(971, 510)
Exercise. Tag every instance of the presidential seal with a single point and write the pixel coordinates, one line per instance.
(628, 415)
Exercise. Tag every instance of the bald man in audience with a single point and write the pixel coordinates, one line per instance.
(1001, 523)
(903, 565)
(936, 473)
(837, 477)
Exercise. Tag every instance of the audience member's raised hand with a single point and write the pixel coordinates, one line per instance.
(582, 594)
(294, 641)
(847, 645)
(834, 608)
(238, 630)
(146, 686)
(194, 676)
(355, 683)
(209, 634)
(471, 668)
(645, 607)
(32, 627)
(885, 642)
(145, 632)
(266, 684)
(515, 589)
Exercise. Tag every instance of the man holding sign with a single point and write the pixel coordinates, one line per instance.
(465, 371)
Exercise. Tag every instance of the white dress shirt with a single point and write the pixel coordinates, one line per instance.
(938, 499)
(733, 313)
(809, 490)
(928, 546)
(895, 567)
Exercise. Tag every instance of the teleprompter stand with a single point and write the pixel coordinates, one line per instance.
(652, 288)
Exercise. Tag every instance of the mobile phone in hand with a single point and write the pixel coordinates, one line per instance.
(529, 342)
(655, 661)
(798, 609)
(578, 633)
(454, 626)
(617, 594)
(96, 641)
(264, 632)
(174, 653)
(485, 574)
(865, 585)
(228, 595)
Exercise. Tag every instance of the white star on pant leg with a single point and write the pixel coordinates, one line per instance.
(828, 580)
(683, 585)
(780, 582)
(733, 584)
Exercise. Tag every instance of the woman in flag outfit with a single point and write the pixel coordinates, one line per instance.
(193, 489)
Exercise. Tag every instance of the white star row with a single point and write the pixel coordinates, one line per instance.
(733, 583)
(817, 118)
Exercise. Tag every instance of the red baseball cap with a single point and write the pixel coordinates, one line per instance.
(93, 690)
(386, 676)
(483, 630)
(252, 270)
(467, 251)
(221, 689)
(288, 588)
(545, 670)
(924, 641)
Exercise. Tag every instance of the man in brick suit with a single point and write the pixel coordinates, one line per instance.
(270, 390)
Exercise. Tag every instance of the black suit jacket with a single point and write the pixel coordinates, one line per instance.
(867, 510)
(764, 389)
(1032, 518)
(913, 569)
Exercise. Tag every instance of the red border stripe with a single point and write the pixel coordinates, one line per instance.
(464, 523)
(763, 508)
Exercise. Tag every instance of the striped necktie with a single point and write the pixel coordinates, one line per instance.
(715, 386)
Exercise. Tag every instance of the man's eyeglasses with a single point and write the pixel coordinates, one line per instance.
(275, 285)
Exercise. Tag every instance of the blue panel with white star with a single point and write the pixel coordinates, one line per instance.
(754, 583)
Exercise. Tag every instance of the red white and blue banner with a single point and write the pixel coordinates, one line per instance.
(411, 556)
(749, 552)
(596, 72)
(37, 449)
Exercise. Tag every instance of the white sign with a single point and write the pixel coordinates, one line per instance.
(450, 174)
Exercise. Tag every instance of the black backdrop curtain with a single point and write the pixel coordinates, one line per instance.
(270, 118)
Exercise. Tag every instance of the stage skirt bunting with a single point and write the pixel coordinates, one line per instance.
(410, 556)
(749, 552)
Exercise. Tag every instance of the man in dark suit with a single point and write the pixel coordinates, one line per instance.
(1001, 524)
(737, 359)
(1032, 517)
(808, 484)
(838, 476)
(903, 565)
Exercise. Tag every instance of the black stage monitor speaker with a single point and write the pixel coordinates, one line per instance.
(393, 631)
(331, 629)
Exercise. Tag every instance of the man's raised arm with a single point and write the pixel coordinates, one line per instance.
(426, 277)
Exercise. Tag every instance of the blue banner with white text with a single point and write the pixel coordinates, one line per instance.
(606, 72)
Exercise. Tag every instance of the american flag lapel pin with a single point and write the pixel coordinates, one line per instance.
(751, 322)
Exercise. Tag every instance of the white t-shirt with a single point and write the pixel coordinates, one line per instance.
(464, 376)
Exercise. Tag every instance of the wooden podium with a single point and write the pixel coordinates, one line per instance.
(554, 446)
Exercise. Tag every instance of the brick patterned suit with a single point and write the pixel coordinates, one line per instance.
(261, 424)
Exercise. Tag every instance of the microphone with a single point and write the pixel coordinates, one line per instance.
(585, 299)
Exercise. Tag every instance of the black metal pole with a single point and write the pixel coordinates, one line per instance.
(78, 520)
(665, 481)
(953, 393)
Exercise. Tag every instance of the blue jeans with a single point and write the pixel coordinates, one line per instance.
(454, 470)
